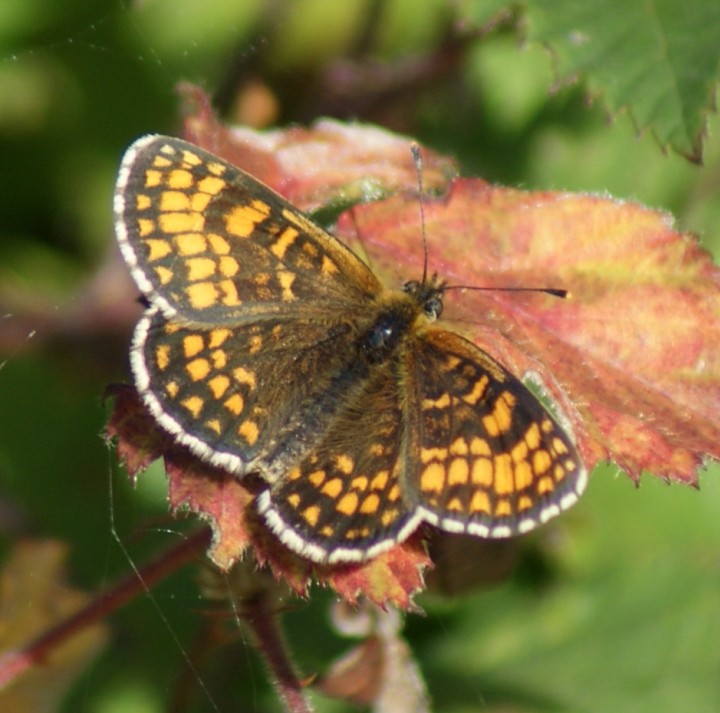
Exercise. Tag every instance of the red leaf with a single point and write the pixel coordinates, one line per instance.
(630, 358)
(217, 497)
(632, 355)
(227, 504)
(139, 439)
(391, 578)
(313, 167)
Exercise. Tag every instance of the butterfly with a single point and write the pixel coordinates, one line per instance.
(269, 347)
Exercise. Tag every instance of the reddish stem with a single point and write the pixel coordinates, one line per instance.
(262, 618)
(16, 661)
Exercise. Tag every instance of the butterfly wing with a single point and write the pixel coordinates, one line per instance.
(248, 354)
(250, 398)
(490, 459)
(343, 502)
(207, 243)
(251, 306)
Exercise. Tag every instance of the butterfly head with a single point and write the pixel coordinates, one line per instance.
(428, 295)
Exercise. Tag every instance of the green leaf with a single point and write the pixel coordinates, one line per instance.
(658, 59)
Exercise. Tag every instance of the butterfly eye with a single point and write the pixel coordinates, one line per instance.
(433, 307)
(412, 287)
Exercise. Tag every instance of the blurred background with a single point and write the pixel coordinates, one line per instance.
(616, 607)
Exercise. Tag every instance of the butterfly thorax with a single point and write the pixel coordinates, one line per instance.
(398, 313)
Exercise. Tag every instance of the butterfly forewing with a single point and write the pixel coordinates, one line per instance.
(209, 243)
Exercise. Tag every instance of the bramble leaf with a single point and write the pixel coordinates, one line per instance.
(630, 357)
(227, 504)
(659, 59)
(629, 361)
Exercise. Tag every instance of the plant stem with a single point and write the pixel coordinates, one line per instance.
(15, 662)
(262, 618)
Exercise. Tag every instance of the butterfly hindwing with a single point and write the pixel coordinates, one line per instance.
(245, 398)
(492, 461)
(344, 501)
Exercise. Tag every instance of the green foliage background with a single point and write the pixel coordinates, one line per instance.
(618, 609)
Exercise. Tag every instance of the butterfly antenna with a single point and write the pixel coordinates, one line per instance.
(417, 159)
(554, 291)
